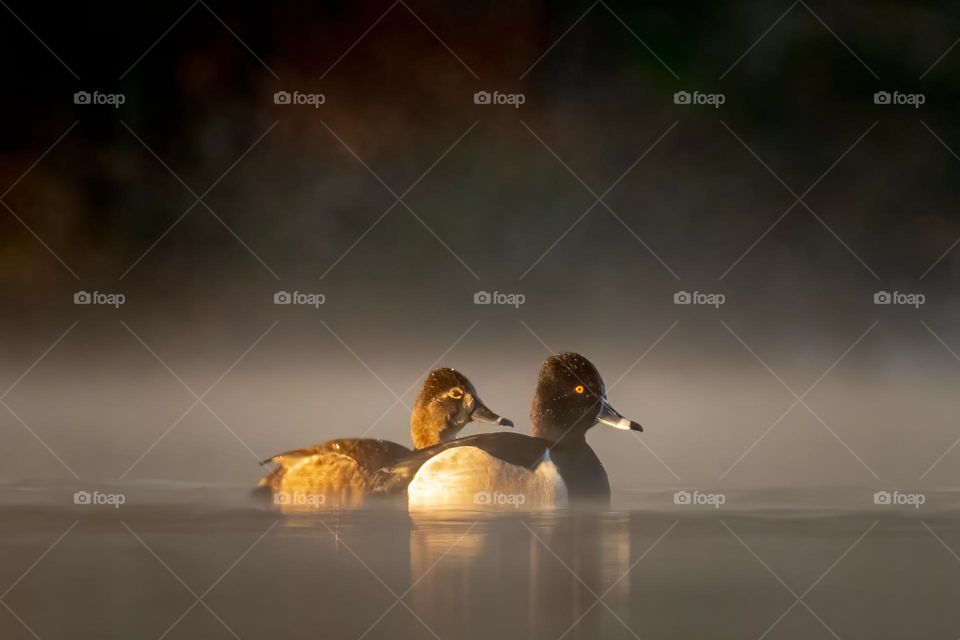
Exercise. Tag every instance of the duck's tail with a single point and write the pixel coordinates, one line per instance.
(271, 481)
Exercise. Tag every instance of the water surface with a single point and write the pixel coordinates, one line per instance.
(190, 562)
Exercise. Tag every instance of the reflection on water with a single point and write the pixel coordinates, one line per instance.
(533, 563)
(649, 572)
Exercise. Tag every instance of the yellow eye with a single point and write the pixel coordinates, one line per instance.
(579, 388)
(456, 393)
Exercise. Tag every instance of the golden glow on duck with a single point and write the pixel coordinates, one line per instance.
(579, 388)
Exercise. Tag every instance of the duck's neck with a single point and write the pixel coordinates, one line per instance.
(566, 438)
(427, 428)
(559, 435)
(553, 420)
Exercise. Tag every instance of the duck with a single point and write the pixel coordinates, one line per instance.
(342, 470)
(553, 467)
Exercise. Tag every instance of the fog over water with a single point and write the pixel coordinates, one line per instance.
(100, 404)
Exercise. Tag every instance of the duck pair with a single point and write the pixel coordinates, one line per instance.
(552, 468)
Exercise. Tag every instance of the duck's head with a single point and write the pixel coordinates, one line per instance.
(446, 403)
(570, 398)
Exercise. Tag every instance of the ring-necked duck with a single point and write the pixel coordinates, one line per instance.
(554, 466)
(342, 470)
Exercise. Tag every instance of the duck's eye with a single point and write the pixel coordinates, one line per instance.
(456, 393)
(579, 388)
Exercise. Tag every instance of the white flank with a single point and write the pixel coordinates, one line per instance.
(470, 478)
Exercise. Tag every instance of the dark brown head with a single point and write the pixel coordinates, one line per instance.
(570, 398)
(446, 403)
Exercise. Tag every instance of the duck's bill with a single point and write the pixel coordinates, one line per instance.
(612, 418)
(482, 414)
